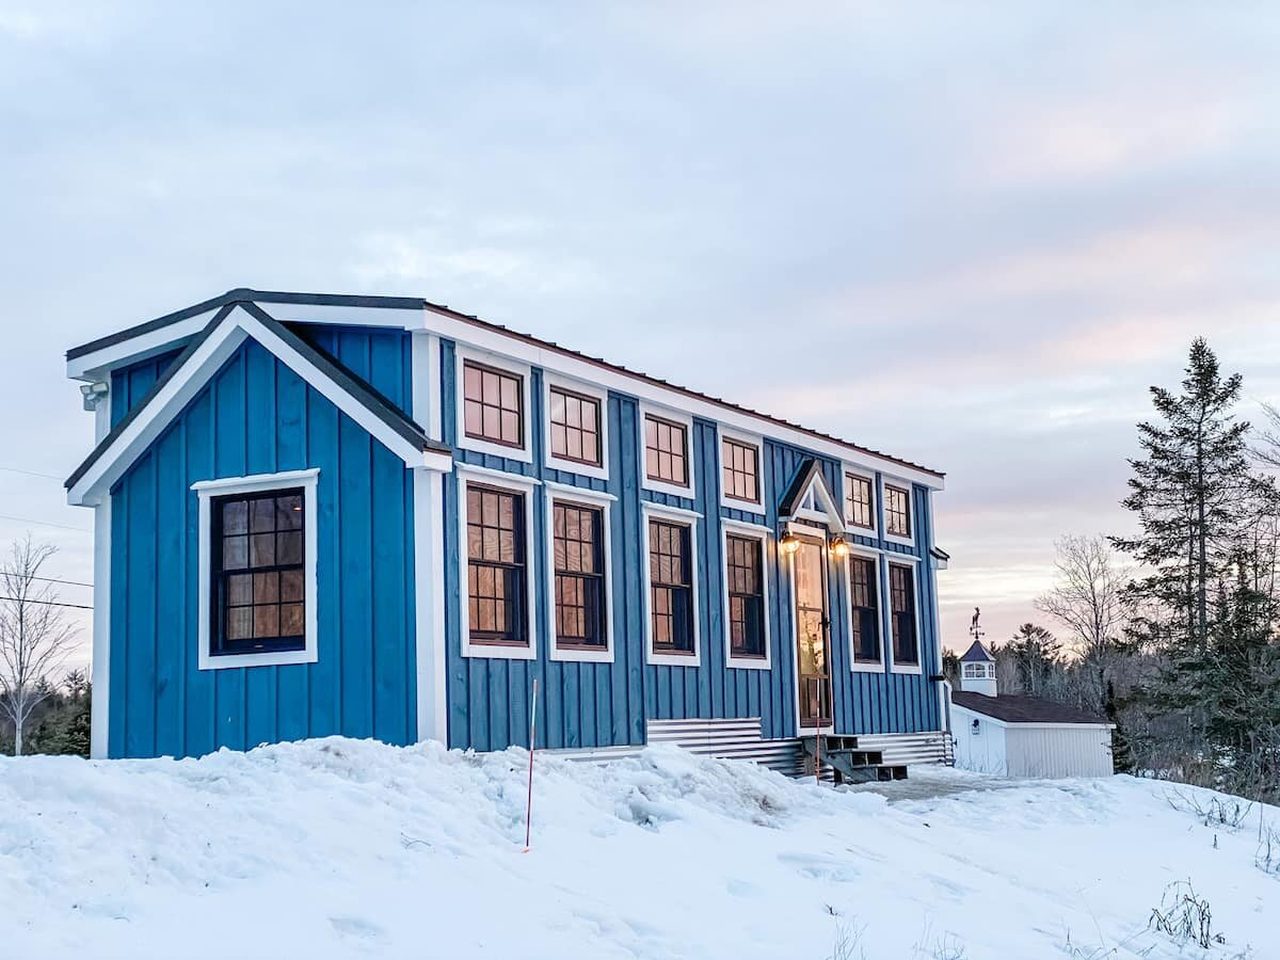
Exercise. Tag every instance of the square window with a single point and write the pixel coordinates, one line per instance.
(493, 404)
(740, 466)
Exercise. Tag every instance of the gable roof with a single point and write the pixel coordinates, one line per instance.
(1010, 709)
(231, 325)
(977, 653)
(810, 477)
(179, 323)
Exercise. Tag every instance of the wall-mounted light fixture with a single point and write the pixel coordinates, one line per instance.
(838, 547)
(789, 543)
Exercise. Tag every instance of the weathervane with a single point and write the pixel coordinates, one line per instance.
(975, 628)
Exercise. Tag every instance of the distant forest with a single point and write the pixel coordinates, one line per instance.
(1173, 633)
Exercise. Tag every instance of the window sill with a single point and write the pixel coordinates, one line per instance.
(866, 666)
(498, 651)
(267, 658)
(900, 541)
(578, 468)
(748, 663)
(668, 659)
(581, 653)
(914, 669)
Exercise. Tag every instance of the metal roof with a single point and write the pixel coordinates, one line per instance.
(414, 303)
(1011, 709)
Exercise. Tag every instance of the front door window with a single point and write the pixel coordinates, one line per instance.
(813, 662)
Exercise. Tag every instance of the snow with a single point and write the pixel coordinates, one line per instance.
(345, 848)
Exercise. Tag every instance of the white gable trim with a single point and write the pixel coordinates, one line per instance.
(825, 510)
(197, 370)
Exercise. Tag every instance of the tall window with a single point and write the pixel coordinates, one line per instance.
(858, 508)
(258, 560)
(864, 598)
(578, 549)
(496, 566)
(897, 511)
(670, 587)
(745, 566)
(741, 462)
(493, 404)
(666, 451)
(902, 600)
(575, 427)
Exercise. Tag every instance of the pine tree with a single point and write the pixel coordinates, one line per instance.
(1187, 491)
(1037, 654)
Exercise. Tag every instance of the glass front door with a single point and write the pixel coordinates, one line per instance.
(813, 663)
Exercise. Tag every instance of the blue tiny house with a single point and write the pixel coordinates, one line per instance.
(378, 517)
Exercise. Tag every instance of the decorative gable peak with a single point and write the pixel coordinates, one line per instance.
(809, 499)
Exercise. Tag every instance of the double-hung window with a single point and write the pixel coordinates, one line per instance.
(859, 508)
(578, 558)
(897, 511)
(671, 613)
(497, 586)
(864, 601)
(493, 405)
(744, 570)
(902, 609)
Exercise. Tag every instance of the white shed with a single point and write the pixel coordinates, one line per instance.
(1023, 736)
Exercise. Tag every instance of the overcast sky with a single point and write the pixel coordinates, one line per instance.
(968, 235)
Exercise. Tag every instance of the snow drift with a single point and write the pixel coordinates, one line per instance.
(335, 848)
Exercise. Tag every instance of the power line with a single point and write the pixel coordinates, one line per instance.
(44, 523)
(49, 603)
(31, 473)
(70, 583)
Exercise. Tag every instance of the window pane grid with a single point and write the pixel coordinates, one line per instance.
(575, 427)
(864, 598)
(495, 565)
(579, 581)
(493, 402)
(670, 589)
(857, 504)
(258, 572)
(746, 596)
(741, 471)
(666, 451)
(897, 512)
(903, 609)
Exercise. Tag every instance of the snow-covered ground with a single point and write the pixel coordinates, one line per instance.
(337, 848)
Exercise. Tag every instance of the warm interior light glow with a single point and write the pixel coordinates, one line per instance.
(790, 544)
(839, 548)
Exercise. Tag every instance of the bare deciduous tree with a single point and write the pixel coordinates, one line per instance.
(34, 635)
(1086, 600)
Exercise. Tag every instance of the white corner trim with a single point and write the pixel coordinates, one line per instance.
(847, 470)
(592, 392)
(428, 551)
(659, 511)
(747, 440)
(760, 535)
(885, 483)
(100, 704)
(463, 355)
(207, 490)
(905, 668)
(605, 505)
(866, 553)
(688, 492)
(494, 651)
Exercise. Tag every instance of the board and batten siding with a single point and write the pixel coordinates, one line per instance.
(257, 416)
(130, 384)
(1058, 751)
(606, 704)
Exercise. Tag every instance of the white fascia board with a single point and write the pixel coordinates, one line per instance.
(199, 368)
(395, 318)
(97, 365)
(1027, 725)
(634, 385)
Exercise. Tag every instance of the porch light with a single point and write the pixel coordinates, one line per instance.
(790, 543)
(839, 548)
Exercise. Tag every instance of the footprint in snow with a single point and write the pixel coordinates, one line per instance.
(358, 928)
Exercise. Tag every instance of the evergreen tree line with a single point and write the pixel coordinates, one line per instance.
(1173, 631)
(60, 723)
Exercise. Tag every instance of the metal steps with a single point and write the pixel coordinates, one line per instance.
(850, 760)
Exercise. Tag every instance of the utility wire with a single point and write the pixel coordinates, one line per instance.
(48, 603)
(31, 473)
(44, 523)
(70, 583)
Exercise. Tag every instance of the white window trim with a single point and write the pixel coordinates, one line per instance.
(850, 527)
(907, 668)
(746, 440)
(513, 483)
(886, 481)
(559, 493)
(601, 472)
(206, 490)
(855, 665)
(761, 534)
(660, 486)
(688, 518)
(523, 453)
